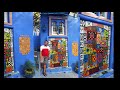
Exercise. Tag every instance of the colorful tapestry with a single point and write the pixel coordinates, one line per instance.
(58, 52)
(75, 48)
(94, 47)
(8, 51)
(24, 42)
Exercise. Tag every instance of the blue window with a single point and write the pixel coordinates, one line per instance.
(54, 28)
(57, 26)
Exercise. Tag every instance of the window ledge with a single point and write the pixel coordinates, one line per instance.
(89, 14)
(95, 16)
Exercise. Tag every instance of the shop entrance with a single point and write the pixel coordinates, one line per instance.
(58, 52)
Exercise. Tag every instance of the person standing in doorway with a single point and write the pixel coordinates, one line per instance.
(44, 56)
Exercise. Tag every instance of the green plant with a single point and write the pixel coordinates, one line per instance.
(28, 69)
(76, 67)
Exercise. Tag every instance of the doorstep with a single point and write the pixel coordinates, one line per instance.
(59, 69)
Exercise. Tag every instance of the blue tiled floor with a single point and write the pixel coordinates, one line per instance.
(56, 75)
(62, 75)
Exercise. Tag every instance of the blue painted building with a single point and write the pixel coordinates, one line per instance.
(20, 23)
(68, 25)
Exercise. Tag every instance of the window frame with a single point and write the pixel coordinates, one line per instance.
(9, 17)
(57, 18)
(53, 27)
(62, 30)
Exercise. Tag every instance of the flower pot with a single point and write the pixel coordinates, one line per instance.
(29, 73)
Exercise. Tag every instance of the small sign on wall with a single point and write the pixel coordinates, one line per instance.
(24, 42)
(75, 48)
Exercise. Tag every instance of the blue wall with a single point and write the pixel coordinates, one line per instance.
(36, 43)
(73, 36)
(44, 34)
(22, 25)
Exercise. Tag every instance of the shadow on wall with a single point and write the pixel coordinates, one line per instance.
(27, 70)
(73, 67)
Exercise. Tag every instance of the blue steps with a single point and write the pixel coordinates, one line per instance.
(107, 75)
(13, 75)
(59, 69)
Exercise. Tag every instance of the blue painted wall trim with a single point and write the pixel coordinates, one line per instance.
(73, 36)
(112, 47)
(7, 26)
(57, 37)
(79, 74)
(87, 18)
(55, 13)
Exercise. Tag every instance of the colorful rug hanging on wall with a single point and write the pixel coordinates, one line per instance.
(24, 42)
(58, 52)
(8, 51)
(94, 47)
(75, 48)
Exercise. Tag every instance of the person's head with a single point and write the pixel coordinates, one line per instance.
(46, 43)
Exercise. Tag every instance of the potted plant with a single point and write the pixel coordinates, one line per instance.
(28, 69)
(76, 67)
